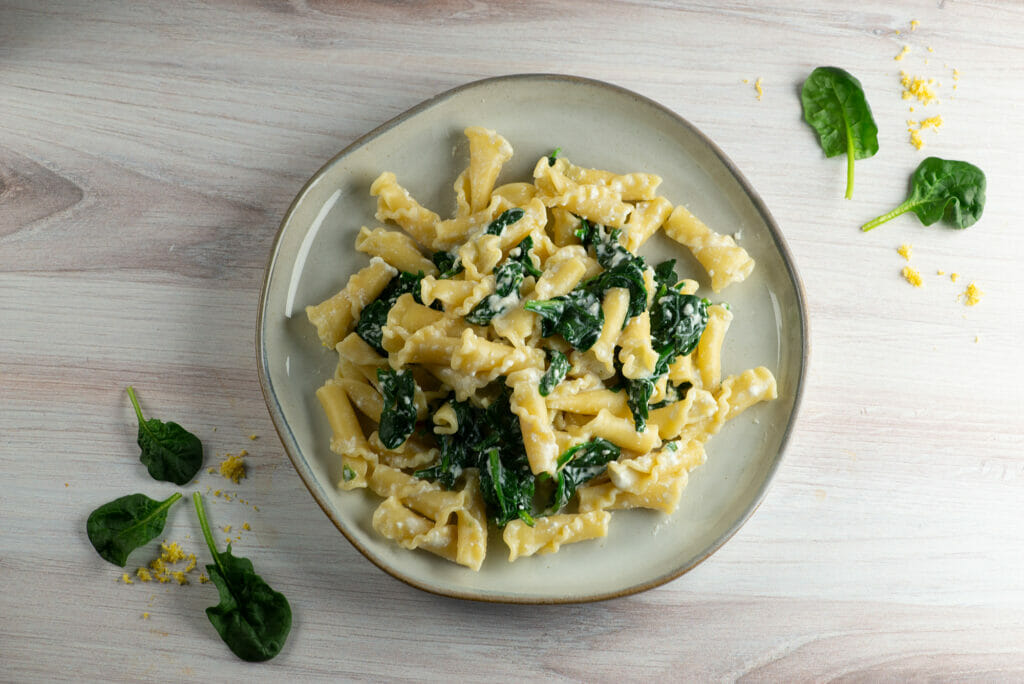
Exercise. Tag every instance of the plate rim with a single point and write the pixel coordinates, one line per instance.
(281, 424)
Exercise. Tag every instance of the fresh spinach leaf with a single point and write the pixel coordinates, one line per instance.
(553, 156)
(580, 464)
(375, 314)
(119, 527)
(942, 190)
(398, 419)
(447, 263)
(576, 316)
(558, 366)
(170, 452)
(251, 618)
(506, 219)
(836, 108)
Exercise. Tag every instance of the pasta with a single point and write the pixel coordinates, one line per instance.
(518, 365)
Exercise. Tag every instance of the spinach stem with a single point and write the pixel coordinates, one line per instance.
(849, 162)
(197, 499)
(902, 209)
(135, 404)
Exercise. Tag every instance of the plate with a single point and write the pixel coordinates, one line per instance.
(595, 124)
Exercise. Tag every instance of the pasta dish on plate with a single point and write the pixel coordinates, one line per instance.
(519, 366)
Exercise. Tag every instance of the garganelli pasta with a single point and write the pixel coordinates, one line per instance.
(518, 365)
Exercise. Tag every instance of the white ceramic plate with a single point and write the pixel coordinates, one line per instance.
(598, 125)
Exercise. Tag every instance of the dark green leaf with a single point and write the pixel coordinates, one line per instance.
(123, 525)
(507, 279)
(170, 452)
(835, 106)
(447, 263)
(677, 321)
(521, 253)
(507, 218)
(576, 316)
(553, 156)
(398, 418)
(638, 397)
(251, 618)
(375, 314)
(673, 393)
(942, 190)
(622, 269)
(508, 492)
(558, 366)
(580, 464)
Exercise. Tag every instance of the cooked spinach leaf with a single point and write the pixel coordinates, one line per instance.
(375, 314)
(665, 274)
(447, 263)
(398, 419)
(836, 108)
(638, 397)
(673, 393)
(587, 232)
(490, 440)
(119, 527)
(553, 156)
(507, 491)
(251, 618)
(506, 219)
(521, 253)
(677, 321)
(507, 278)
(580, 464)
(942, 190)
(170, 452)
(558, 366)
(622, 268)
(576, 316)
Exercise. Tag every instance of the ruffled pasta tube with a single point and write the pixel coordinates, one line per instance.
(334, 317)
(724, 260)
(347, 439)
(398, 249)
(709, 349)
(394, 203)
(550, 532)
(534, 422)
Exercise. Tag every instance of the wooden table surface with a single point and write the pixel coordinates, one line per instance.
(147, 153)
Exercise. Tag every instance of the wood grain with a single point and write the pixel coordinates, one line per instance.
(147, 153)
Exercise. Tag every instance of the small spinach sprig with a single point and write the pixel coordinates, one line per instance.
(942, 190)
(120, 526)
(398, 418)
(836, 108)
(375, 314)
(576, 316)
(448, 264)
(251, 618)
(170, 452)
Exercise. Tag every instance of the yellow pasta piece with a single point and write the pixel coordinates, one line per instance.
(394, 203)
(709, 349)
(488, 151)
(654, 481)
(550, 532)
(740, 392)
(405, 318)
(591, 402)
(644, 222)
(696, 408)
(615, 307)
(632, 186)
(538, 433)
(637, 356)
(724, 260)
(620, 431)
(334, 317)
(397, 249)
(348, 439)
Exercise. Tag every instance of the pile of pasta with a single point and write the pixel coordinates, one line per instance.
(426, 336)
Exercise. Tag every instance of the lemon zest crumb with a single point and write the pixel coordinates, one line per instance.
(905, 250)
(126, 579)
(245, 526)
(254, 437)
(972, 295)
(918, 87)
(914, 23)
(143, 575)
(233, 467)
(180, 577)
(145, 616)
(903, 53)
(912, 276)
(203, 579)
(940, 272)
(954, 277)
(758, 87)
(227, 528)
